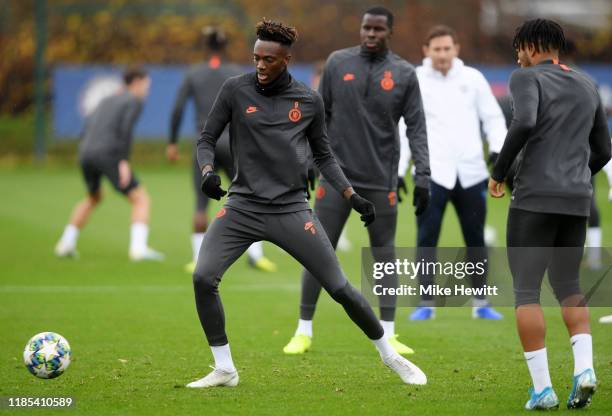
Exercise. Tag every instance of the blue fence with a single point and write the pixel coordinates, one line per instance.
(76, 89)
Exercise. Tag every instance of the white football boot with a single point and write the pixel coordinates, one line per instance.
(408, 372)
(216, 378)
(147, 254)
(66, 250)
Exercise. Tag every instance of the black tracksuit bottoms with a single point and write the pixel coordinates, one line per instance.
(333, 211)
(298, 233)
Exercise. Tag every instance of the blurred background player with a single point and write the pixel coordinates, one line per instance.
(366, 89)
(560, 126)
(267, 195)
(202, 83)
(456, 99)
(105, 152)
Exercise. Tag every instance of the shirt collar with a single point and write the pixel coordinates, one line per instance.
(456, 66)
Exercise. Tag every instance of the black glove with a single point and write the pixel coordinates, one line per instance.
(365, 208)
(211, 185)
(401, 186)
(312, 177)
(492, 158)
(420, 199)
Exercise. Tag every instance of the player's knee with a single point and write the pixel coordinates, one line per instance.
(95, 198)
(566, 290)
(138, 195)
(343, 295)
(205, 282)
(526, 297)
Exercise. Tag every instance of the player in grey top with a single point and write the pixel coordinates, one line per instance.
(366, 89)
(273, 120)
(560, 126)
(104, 152)
(202, 84)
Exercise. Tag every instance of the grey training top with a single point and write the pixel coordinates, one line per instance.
(365, 95)
(108, 130)
(560, 124)
(269, 138)
(202, 83)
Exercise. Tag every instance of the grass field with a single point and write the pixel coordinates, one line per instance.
(136, 339)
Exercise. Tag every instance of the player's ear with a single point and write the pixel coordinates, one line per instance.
(531, 50)
(287, 58)
(425, 50)
(457, 49)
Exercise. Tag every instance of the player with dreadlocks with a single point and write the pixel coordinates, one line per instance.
(560, 126)
(273, 119)
(202, 83)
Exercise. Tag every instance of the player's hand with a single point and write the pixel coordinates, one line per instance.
(420, 200)
(401, 186)
(172, 152)
(496, 189)
(211, 185)
(312, 177)
(365, 208)
(492, 158)
(125, 174)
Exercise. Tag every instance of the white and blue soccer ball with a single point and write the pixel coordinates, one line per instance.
(47, 355)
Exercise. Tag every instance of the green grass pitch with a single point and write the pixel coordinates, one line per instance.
(137, 341)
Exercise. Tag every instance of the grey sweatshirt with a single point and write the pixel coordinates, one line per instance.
(365, 96)
(560, 125)
(108, 130)
(202, 83)
(269, 138)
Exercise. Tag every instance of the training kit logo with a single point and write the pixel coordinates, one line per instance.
(295, 114)
(349, 77)
(310, 226)
(214, 62)
(392, 199)
(387, 82)
(251, 109)
(320, 192)
(220, 213)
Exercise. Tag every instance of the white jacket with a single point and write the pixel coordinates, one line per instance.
(455, 105)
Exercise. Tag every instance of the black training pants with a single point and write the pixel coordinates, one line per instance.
(333, 210)
(298, 233)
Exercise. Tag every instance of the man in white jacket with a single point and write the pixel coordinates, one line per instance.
(456, 99)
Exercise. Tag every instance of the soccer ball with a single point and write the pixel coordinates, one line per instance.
(47, 355)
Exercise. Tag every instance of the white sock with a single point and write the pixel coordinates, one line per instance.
(223, 358)
(304, 328)
(385, 349)
(537, 361)
(389, 327)
(593, 237)
(196, 243)
(70, 235)
(255, 251)
(139, 233)
(582, 345)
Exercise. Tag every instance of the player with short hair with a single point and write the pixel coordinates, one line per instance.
(105, 152)
(202, 83)
(457, 99)
(273, 120)
(366, 89)
(560, 126)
